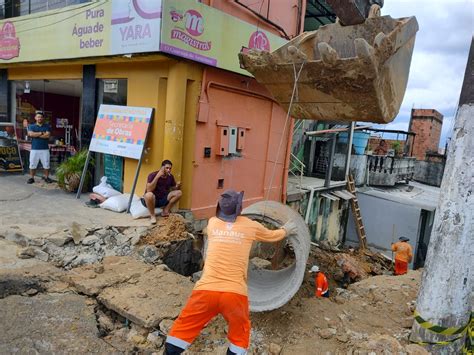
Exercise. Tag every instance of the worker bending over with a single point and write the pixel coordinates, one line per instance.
(223, 286)
(321, 282)
(403, 255)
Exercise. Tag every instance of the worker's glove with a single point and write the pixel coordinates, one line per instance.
(290, 228)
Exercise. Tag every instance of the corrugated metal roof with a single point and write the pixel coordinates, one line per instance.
(344, 194)
(330, 197)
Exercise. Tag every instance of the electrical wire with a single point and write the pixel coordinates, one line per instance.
(62, 20)
(293, 94)
(88, 5)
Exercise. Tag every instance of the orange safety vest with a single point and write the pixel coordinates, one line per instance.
(321, 284)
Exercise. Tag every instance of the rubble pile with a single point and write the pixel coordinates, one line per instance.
(374, 313)
(75, 246)
(130, 277)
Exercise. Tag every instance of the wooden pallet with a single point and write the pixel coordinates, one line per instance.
(356, 214)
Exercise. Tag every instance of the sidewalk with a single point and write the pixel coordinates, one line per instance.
(46, 206)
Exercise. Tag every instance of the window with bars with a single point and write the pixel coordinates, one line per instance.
(15, 8)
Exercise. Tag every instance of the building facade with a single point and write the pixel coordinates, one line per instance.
(218, 126)
(426, 124)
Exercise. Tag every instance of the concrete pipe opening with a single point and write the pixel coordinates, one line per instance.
(271, 289)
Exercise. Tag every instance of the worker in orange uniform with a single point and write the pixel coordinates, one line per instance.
(222, 288)
(403, 255)
(321, 282)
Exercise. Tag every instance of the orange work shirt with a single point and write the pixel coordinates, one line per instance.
(402, 251)
(228, 250)
(321, 284)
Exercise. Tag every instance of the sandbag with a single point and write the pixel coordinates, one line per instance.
(118, 203)
(105, 189)
(137, 210)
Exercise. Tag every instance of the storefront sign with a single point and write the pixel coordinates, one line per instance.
(9, 152)
(121, 130)
(113, 169)
(201, 33)
(111, 86)
(97, 28)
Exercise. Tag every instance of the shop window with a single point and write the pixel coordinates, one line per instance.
(60, 101)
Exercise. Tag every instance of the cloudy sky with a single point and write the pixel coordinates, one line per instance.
(440, 56)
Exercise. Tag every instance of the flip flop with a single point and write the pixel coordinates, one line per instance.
(165, 215)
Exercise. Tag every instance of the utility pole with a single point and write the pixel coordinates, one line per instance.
(446, 293)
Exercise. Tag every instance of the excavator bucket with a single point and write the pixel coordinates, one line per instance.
(344, 73)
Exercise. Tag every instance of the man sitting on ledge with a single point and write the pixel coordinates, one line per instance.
(161, 191)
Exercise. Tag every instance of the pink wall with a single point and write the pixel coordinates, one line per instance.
(285, 13)
(229, 99)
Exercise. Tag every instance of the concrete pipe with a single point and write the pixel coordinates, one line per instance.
(270, 289)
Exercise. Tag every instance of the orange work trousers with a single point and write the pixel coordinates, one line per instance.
(401, 267)
(201, 307)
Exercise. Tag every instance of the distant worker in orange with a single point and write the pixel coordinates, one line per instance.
(222, 288)
(321, 282)
(403, 255)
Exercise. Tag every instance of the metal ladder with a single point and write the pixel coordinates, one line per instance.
(356, 214)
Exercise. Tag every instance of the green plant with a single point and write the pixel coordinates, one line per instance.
(396, 146)
(69, 172)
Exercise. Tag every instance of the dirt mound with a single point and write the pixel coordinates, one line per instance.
(368, 314)
(360, 266)
(166, 230)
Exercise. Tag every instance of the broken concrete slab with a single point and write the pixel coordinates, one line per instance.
(49, 324)
(92, 239)
(77, 232)
(157, 295)
(32, 252)
(92, 279)
(15, 237)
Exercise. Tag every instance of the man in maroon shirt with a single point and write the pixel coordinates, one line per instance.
(161, 191)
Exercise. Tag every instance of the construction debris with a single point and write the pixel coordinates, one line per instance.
(348, 73)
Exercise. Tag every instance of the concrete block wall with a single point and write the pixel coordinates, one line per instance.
(429, 172)
(357, 167)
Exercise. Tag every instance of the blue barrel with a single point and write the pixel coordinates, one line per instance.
(359, 140)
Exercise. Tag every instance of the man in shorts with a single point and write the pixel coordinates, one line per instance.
(39, 133)
(161, 191)
(222, 288)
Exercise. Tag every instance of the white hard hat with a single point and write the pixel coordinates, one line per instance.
(315, 268)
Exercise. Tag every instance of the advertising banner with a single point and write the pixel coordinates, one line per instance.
(201, 33)
(10, 160)
(121, 130)
(98, 28)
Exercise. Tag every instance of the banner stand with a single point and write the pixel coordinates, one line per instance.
(83, 176)
(132, 193)
(144, 138)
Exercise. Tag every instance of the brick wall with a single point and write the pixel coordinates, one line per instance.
(374, 142)
(426, 123)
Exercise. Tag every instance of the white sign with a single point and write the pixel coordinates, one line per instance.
(121, 130)
(111, 86)
(135, 26)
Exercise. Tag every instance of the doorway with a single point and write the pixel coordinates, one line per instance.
(60, 101)
(111, 92)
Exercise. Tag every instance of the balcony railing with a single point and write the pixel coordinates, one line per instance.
(387, 170)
